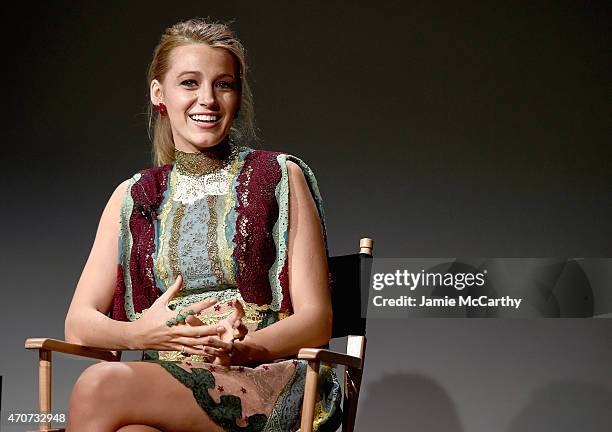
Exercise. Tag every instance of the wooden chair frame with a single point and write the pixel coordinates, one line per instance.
(353, 360)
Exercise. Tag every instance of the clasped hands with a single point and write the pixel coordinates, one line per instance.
(215, 342)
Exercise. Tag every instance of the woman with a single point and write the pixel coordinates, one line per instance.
(222, 269)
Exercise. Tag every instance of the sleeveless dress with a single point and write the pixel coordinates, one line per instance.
(226, 233)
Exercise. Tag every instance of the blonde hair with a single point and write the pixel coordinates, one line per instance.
(216, 35)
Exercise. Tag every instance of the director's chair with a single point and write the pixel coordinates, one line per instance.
(350, 276)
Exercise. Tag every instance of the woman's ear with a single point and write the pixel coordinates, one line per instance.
(156, 92)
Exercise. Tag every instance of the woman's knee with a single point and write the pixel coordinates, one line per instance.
(138, 428)
(99, 386)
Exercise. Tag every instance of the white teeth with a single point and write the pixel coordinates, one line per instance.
(200, 117)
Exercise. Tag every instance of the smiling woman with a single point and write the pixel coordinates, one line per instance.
(180, 74)
(201, 95)
(221, 272)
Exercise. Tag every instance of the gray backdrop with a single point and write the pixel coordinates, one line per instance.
(437, 129)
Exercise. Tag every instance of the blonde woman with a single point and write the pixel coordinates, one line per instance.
(221, 271)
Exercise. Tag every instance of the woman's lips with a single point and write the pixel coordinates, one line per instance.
(206, 125)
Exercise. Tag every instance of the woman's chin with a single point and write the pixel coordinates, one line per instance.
(205, 144)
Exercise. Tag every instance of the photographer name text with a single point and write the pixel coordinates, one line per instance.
(470, 301)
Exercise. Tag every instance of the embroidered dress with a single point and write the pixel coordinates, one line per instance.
(226, 233)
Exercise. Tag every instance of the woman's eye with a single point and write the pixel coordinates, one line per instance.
(225, 84)
(188, 82)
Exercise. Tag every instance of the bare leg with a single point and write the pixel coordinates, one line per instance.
(110, 395)
(138, 428)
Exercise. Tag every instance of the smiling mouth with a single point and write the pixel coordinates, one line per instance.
(205, 118)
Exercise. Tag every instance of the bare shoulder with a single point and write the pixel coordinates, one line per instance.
(293, 166)
(297, 180)
(117, 195)
(302, 207)
(121, 188)
(112, 210)
(295, 171)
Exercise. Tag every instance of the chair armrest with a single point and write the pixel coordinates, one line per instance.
(70, 348)
(329, 357)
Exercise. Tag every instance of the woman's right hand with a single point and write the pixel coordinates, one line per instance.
(151, 332)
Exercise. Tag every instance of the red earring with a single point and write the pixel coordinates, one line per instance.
(161, 108)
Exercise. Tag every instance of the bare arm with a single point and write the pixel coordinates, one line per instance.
(311, 323)
(86, 322)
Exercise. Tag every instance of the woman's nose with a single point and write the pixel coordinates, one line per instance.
(206, 96)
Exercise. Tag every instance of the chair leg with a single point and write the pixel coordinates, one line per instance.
(44, 390)
(352, 384)
(44, 386)
(310, 394)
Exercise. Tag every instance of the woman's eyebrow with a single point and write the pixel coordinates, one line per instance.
(188, 72)
(199, 73)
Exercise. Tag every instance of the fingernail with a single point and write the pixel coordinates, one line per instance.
(220, 329)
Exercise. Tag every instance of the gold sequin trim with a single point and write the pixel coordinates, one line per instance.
(226, 244)
(160, 265)
(245, 195)
(253, 314)
(202, 163)
(177, 356)
(174, 239)
(211, 237)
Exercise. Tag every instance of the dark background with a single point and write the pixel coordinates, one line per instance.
(435, 128)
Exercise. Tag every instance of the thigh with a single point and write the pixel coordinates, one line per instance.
(143, 393)
(138, 428)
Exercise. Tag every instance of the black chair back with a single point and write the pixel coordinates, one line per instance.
(350, 276)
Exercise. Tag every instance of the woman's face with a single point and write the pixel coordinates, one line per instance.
(200, 91)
